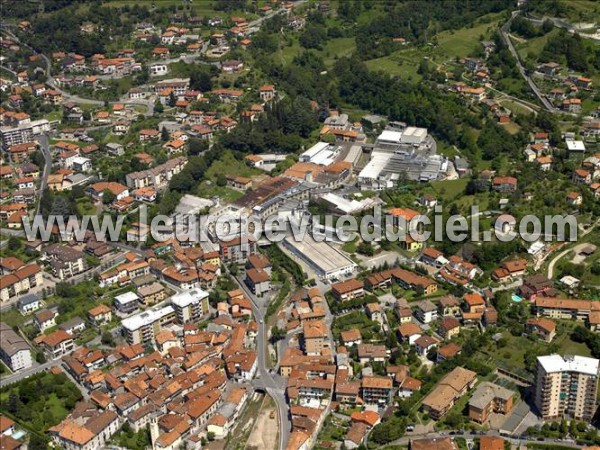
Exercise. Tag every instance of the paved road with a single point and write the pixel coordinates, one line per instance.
(12, 232)
(506, 38)
(18, 376)
(8, 70)
(564, 252)
(461, 434)
(45, 146)
(274, 385)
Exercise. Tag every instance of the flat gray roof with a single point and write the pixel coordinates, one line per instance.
(320, 254)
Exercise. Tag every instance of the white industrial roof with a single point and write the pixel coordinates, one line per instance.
(376, 165)
(321, 153)
(321, 255)
(311, 152)
(575, 146)
(558, 363)
(127, 297)
(146, 318)
(348, 206)
(390, 136)
(415, 131)
(187, 298)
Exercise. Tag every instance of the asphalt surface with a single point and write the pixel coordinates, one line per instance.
(506, 38)
(273, 384)
(26, 373)
(461, 434)
(45, 146)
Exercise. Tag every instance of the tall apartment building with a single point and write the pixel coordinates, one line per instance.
(566, 386)
(143, 327)
(25, 132)
(185, 307)
(190, 306)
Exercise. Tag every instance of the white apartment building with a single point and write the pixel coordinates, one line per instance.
(190, 306)
(143, 327)
(14, 350)
(566, 386)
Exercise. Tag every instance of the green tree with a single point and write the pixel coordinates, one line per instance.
(197, 146)
(164, 134)
(14, 244)
(36, 442)
(172, 100)
(365, 248)
(107, 339)
(108, 197)
(277, 334)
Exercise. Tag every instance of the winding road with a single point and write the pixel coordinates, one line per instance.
(506, 38)
(557, 258)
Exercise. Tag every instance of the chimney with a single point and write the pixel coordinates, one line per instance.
(309, 176)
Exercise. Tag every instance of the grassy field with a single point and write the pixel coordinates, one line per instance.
(333, 49)
(462, 42)
(448, 190)
(229, 165)
(396, 64)
(531, 48)
(513, 354)
(226, 194)
(450, 45)
(515, 107)
(6, 74)
(583, 10)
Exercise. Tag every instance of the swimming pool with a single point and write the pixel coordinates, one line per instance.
(18, 434)
(516, 298)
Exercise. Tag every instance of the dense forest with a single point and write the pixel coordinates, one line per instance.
(571, 49)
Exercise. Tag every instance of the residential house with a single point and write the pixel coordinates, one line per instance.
(56, 344)
(426, 311)
(65, 261)
(259, 281)
(449, 327)
(544, 328)
(15, 352)
(490, 398)
(448, 391)
(100, 315)
(348, 290)
(425, 344)
(504, 184)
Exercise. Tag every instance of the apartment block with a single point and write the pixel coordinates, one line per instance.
(566, 386)
(14, 350)
(190, 306)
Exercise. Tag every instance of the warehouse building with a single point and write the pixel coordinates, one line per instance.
(328, 262)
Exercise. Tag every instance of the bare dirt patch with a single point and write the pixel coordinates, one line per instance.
(266, 429)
